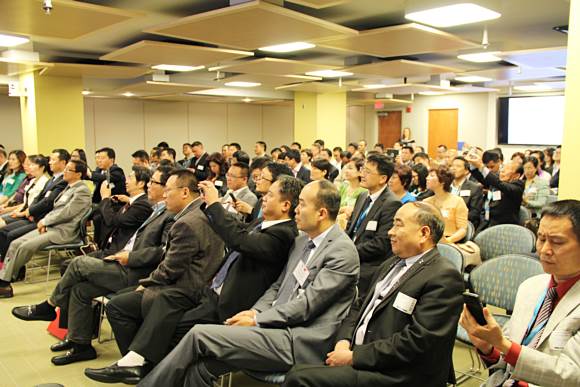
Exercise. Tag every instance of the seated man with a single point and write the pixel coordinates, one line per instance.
(193, 255)
(88, 277)
(372, 218)
(469, 191)
(404, 333)
(294, 321)
(541, 343)
(237, 179)
(59, 226)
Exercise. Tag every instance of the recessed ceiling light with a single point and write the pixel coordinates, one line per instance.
(329, 73)
(481, 57)
(128, 94)
(177, 68)
(431, 93)
(12, 41)
(288, 47)
(453, 15)
(374, 86)
(533, 88)
(472, 79)
(86, 92)
(242, 84)
(247, 100)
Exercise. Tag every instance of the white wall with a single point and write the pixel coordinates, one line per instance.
(10, 124)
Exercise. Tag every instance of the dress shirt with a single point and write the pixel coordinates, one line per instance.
(156, 207)
(133, 198)
(456, 189)
(180, 213)
(382, 288)
(296, 169)
(317, 241)
(270, 223)
(375, 196)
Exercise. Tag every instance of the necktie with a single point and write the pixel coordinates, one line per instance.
(220, 277)
(287, 290)
(543, 316)
(363, 214)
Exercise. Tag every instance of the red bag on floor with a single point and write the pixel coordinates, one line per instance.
(53, 329)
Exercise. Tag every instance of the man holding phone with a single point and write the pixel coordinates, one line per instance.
(541, 343)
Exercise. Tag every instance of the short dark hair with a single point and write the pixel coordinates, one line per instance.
(490, 155)
(328, 197)
(109, 151)
(465, 162)
(379, 145)
(444, 176)
(499, 152)
(242, 157)
(141, 155)
(278, 169)
(569, 208)
(327, 151)
(409, 148)
(263, 144)
(518, 154)
(442, 146)
(308, 153)
(337, 149)
(274, 150)
(290, 188)
(353, 144)
(297, 144)
(236, 145)
(532, 159)
(156, 151)
(244, 168)
(80, 167)
(405, 174)
(163, 144)
(142, 174)
(384, 165)
(196, 143)
(293, 154)
(319, 142)
(323, 165)
(41, 161)
(186, 144)
(186, 179)
(422, 173)
(63, 154)
(165, 173)
(428, 215)
(167, 163)
(171, 151)
(259, 163)
(422, 155)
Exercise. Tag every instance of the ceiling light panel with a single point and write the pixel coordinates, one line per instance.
(176, 68)
(242, 84)
(472, 79)
(453, 15)
(481, 57)
(288, 47)
(329, 73)
(12, 41)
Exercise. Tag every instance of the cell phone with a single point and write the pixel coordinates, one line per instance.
(475, 307)
(233, 197)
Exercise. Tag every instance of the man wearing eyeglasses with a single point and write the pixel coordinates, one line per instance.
(88, 277)
(237, 180)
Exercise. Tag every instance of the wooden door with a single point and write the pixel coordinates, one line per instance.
(442, 129)
(389, 128)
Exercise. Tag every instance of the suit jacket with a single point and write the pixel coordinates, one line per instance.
(373, 246)
(537, 194)
(474, 201)
(333, 173)
(317, 308)
(506, 210)
(186, 163)
(193, 254)
(3, 172)
(149, 246)
(246, 195)
(119, 225)
(44, 202)
(556, 359)
(303, 174)
(69, 207)
(263, 256)
(410, 349)
(201, 167)
(117, 178)
(555, 180)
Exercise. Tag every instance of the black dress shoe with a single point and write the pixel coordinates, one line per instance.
(64, 345)
(75, 355)
(30, 313)
(6, 292)
(116, 374)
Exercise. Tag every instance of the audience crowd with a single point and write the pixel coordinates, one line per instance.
(320, 264)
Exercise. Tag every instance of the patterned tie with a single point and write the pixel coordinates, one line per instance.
(362, 216)
(543, 315)
(285, 293)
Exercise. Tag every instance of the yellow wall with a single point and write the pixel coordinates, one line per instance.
(320, 116)
(305, 105)
(569, 182)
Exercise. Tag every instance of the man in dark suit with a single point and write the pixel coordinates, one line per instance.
(555, 180)
(372, 218)
(193, 255)
(403, 334)
(88, 277)
(199, 163)
(107, 171)
(470, 192)
(505, 191)
(42, 204)
(292, 159)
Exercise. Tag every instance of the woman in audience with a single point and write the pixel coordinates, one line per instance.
(320, 170)
(419, 182)
(217, 172)
(519, 157)
(275, 153)
(18, 196)
(536, 190)
(400, 182)
(14, 175)
(549, 160)
(452, 207)
(406, 138)
(542, 173)
(305, 158)
(350, 187)
(38, 171)
(79, 154)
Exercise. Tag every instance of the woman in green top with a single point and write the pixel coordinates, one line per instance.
(14, 175)
(350, 188)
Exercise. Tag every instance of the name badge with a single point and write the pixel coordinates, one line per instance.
(405, 303)
(219, 183)
(465, 193)
(200, 167)
(301, 273)
(445, 213)
(558, 339)
(496, 195)
(112, 185)
(372, 225)
(47, 194)
(10, 180)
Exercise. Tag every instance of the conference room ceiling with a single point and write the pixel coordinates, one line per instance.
(113, 44)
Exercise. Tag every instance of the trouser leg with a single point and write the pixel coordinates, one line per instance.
(125, 316)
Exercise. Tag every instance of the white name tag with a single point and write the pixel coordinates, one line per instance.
(10, 180)
(405, 303)
(47, 194)
(558, 339)
(301, 273)
(219, 183)
(496, 195)
(445, 213)
(200, 167)
(465, 193)
(372, 225)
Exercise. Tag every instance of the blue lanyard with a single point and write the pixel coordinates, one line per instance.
(530, 335)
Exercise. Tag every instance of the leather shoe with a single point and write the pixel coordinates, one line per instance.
(64, 345)
(75, 355)
(116, 374)
(6, 292)
(29, 313)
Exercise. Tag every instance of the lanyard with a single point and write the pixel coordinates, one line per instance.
(530, 335)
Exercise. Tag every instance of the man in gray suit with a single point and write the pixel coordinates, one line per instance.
(237, 177)
(59, 226)
(88, 277)
(294, 321)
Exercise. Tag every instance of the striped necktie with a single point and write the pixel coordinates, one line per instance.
(543, 315)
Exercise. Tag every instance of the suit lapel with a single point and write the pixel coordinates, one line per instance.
(376, 206)
(325, 243)
(357, 209)
(563, 309)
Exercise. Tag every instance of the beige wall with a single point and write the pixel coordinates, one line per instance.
(10, 123)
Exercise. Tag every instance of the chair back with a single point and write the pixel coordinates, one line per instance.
(497, 280)
(470, 232)
(505, 239)
(83, 225)
(525, 215)
(452, 253)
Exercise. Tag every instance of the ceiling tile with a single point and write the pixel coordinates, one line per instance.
(516, 73)
(316, 87)
(95, 71)
(400, 68)
(270, 80)
(152, 87)
(11, 67)
(406, 88)
(273, 66)
(538, 58)
(318, 4)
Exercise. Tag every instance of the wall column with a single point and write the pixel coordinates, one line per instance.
(320, 115)
(52, 113)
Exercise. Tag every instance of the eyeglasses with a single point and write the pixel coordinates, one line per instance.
(260, 177)
(366, 171)
(234, 176)
(157, 182)
(70, 170)
(166, 190)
